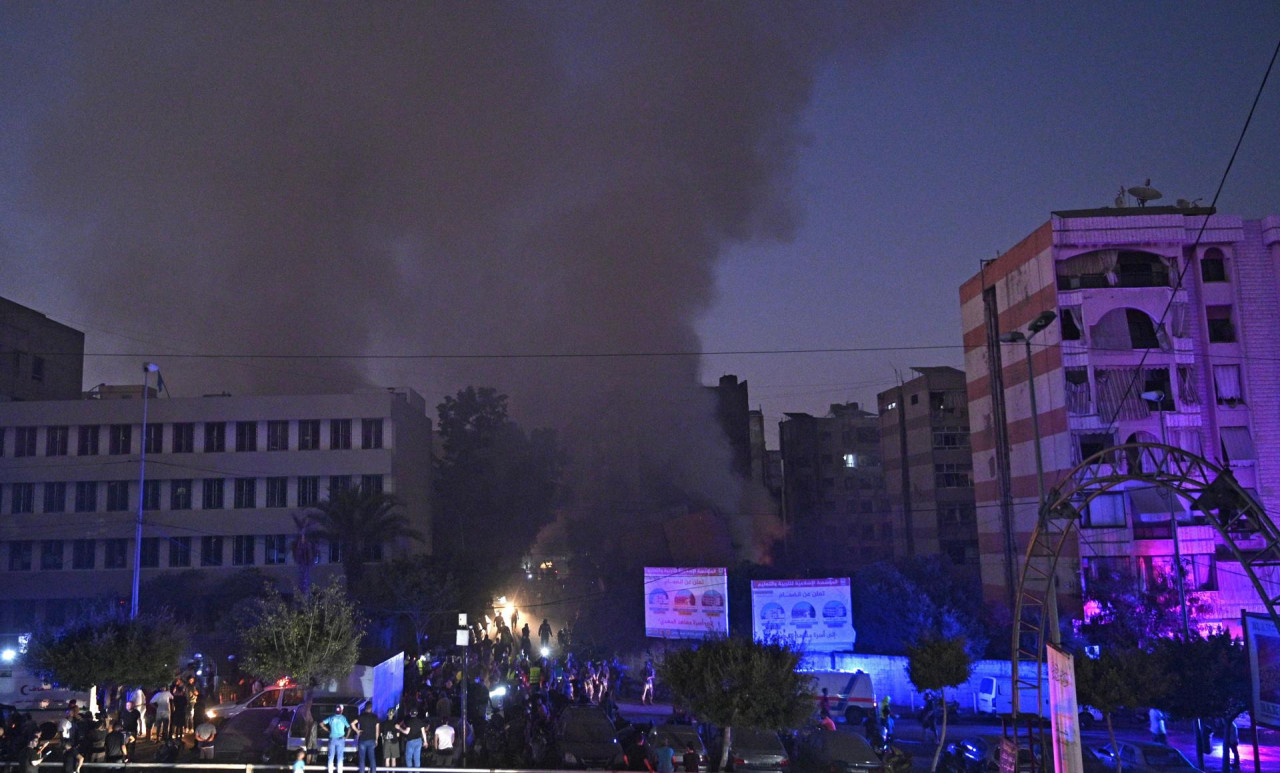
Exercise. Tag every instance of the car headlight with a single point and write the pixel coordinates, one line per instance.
(211, 714)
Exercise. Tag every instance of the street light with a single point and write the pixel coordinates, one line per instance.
(1039, 323)
(147, 369)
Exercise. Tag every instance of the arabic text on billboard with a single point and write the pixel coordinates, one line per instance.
(1263, 643)
(686, 603)
(811, 614)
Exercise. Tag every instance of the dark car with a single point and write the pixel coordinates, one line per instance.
(1145, 757)
(757, 750)
(639, 741)
(251, 736)
(829, 751)
(585, 738)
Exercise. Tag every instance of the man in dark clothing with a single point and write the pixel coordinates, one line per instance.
(33, 754)
(116, 743)
(691, 759)
(131, 722)
(544, 633)
(367, 725)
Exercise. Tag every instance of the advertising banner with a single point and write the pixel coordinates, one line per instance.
(1263, 643)
(1064, 713)
(810, 614)
(686, 603)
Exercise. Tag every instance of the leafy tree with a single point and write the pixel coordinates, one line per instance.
(935, 662)
(1120, 677)
(740, 683)
(106, 647)
(1205, 678)
(308, 639)
(935, 603)
(421, 590)
(360, 522)
(1133, 614)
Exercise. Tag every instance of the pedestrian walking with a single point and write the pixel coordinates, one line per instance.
(1231, 744)
(646, 695)
(1156, 721)
(338, 726)
(544, 633)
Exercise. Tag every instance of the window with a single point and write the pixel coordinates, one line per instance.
(338, 484)
(22, 498)
(151, 495)
(1079, 400)
(1202, 571)
(1104, 511)
(215, 438)
(915, 399)
(51, 555)
(242, 550)
(55, 497)
(308, 435)
(1226, 383)
(213, 492)
(246, 492)
(115, 554)
(274, 549)
(180, 551)
(211, 551)
(1237, 444)
(88, 441)
(24, 441)
(86, 496)
(180, 494)
(1213, 267)
(83, 554)
(117, 496)
(952, 475)
(55, 441)
(1106, 568)
(1141, 269)
(1069, 323)
(308, 491)
(372, 551)
(246, 436)
(150, 558)
(371, 484)
(20, 555)
(277, 492)
(335, 552)
(1142, 330)
(850, 461)
(1221, 330)
(154, 441)
(339, 433)
(37, 368)
(950, 437)
(1157, 380)
(119, 439)
(370, 433)
(277, 436)
(184, 438)
(1091, 443)
(956, 515)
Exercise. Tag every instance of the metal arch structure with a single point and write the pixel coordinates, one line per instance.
(1213, 491)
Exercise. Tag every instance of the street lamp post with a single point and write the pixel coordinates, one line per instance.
(147, 369)
(1039, 323)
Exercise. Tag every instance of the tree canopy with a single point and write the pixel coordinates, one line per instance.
(360, 522)
(1204, 677)
(1134, 614)
(107, 647)
(935, 662)
(929, 597)
(419, 590)
(307, 639)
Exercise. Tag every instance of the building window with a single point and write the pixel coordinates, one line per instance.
(956, 515)
(309, 435)
(55, 497)
(274, 549)
(1091, 443)
(211, 551)
(20, 555)
(1237, 444)
(55, 441)
(150, 558)
(308, 491)
(88, 441)
(22, 498)
(180, 494)
(370, 433)
(246, 493)
(37, 369)
(1070, 323)
(1105, 511)
(83, 554)
(1157, 380)
(242, 550)
(180, 551)
(117, 496)
(1221, 329)
(1213, 267)
(51, 555)
(335, 552)
(155, 439)
(850, 461)
(372, 551)
(1226, 383)
(246, 436)
(339, 433)
(151, 495)
(24, 441)
(119, 439)
(86, 496)
(951, 475)
(184, 438)
(371, 484)
(277, 436)
(950, 437)
(277, 492)
(213, 490)
(115, 554)
(1142, 330)
(1202, 571)
(338, 484)
(1, 441)
(215, 438)
(1109, 568)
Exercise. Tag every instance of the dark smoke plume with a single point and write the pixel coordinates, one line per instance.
(428, 178)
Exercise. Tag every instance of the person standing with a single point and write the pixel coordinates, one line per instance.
(178, 713)
(665, 756)
(338, 726)
(1231, 744)
(646, 696)
(163, 701)
(445, 736)
(367, 729)
(544, 633)
(415, 732)
(131, 723)
(33, 754)
(390, 741)
(300, 761)
(1156, 722)
(116, 744)
(205, 735)
(692, 760)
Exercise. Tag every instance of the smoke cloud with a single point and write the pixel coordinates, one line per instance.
(428, 178)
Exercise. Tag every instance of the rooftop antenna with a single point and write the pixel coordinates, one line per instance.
(1120, 201)
(1144, 193)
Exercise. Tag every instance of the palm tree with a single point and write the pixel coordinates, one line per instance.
(360, 522)
(304, 549)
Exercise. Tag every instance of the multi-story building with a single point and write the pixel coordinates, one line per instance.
(833, 497)
(39, 359)
(928, 471)
(1166, 327)
(223, 477)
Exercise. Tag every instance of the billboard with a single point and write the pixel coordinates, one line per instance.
(1068, 756)
(686, 603)
(1263, 643)
(811, 614)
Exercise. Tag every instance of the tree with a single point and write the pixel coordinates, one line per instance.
(934, 663)
(360, 522)
(304, 549)
(106, 647)
(421, 590)
(1206, 678)
(740, 683)
(308, 639)
(928, 599)
(1133, 614)
(1120, 677)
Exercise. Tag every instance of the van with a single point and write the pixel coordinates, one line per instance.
(849, 695)
(996, 697)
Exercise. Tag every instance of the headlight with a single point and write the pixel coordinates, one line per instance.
(211, 714)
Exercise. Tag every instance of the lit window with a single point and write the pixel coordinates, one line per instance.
(850, 460)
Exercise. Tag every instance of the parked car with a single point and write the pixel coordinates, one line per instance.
(585, 738)
(1145, 757)
(981, 754)
(306, 732)
(274, 697)
(250, 736)
(757, 750)
(827, 751)
(639, 741)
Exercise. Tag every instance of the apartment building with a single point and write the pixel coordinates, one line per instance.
(39, 359)
(223, 477)
(1165, 328)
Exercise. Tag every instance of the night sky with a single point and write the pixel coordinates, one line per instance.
(795, 181)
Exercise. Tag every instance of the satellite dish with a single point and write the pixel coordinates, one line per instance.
(1144, 193)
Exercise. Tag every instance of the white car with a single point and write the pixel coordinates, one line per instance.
(271, 698)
